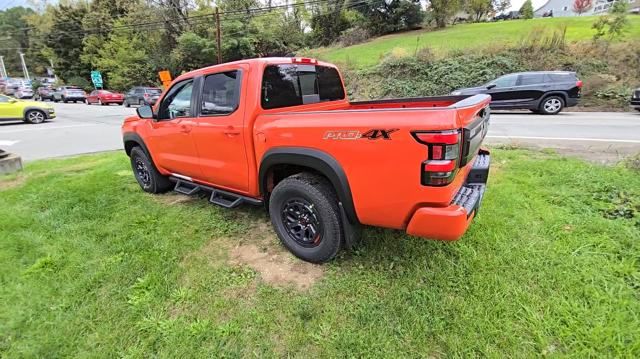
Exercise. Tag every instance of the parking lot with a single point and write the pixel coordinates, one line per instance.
(80, 129)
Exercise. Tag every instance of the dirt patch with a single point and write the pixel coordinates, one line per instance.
(13, 182)
(258, 248)
(279, 269)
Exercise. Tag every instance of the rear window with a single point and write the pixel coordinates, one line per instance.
(293, 85)
(531, 79)
(560, 77)
(154, 91)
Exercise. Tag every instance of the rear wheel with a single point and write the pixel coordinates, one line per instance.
(551, 105)
(140, 103)
(305, 215)
(146, 173)
(126, 103)
(35, 116)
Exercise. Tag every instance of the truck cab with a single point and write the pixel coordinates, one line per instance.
(282, 133)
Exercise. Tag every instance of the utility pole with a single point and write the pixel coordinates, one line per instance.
(3, 70)
(24, 67)
(55, 76)
(218, 36)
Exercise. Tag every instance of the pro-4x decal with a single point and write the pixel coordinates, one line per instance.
(373, 134)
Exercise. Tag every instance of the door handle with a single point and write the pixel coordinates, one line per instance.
(185, 128)
(231, 131)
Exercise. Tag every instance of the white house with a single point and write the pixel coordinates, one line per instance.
(562, 8)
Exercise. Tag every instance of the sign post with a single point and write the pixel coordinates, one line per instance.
(96, 78)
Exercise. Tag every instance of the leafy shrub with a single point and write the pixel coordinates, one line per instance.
(354, 35)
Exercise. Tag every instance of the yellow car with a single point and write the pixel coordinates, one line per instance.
(27, 111)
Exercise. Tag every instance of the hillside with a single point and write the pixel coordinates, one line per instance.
(463, 36)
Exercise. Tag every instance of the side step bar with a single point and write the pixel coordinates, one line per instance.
(220, 197)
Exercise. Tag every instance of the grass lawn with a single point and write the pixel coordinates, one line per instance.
(93, 267)
(464, 36)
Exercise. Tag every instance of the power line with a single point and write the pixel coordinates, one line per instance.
(247, 12)
(201, 19)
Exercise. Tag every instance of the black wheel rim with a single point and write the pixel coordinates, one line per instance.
(142, 172)
(301, 222)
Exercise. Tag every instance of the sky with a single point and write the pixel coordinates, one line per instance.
(515, 4)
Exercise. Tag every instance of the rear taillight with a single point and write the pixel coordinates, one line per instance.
(579, 83)
(146, 95)
(442, 158)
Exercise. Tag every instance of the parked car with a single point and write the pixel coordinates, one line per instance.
(69, 93)
(24, 92)
(546, 92)
(142, 96)
(12, 86)
(44, 93)
(510, 15)
(280, 132)
(104, 97)
(28, 111)
(635, 99)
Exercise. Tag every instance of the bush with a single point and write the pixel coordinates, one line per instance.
(353, 36)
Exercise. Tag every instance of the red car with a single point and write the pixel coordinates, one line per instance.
(104, 97)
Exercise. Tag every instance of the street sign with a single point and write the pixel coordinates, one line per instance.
(165, 77)
(96, 78)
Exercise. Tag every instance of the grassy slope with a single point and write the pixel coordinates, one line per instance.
(464, 36)
(93, 267)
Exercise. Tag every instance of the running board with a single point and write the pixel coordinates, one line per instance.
(220, 197)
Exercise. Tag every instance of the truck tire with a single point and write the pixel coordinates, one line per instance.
(305, 215)
(551, 105)
(146, 173)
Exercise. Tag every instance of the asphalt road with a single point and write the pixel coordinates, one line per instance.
(79, 128)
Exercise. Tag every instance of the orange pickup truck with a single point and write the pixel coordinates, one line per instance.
(280, 132)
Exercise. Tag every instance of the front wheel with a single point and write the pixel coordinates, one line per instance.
(305, 215)
(551, 105)
(35, 116)
(146, 173)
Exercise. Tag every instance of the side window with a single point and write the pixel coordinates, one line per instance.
(220, 93)
(330, 85)
(530, 79)
(506, 81)
(177, 103)
(561, 77)
(280, 87)
(293, 85)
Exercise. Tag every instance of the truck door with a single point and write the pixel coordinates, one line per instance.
(170, 140)
(219, 136)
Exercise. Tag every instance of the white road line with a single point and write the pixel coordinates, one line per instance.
(47, 128)
(566, 139)
(8, 143)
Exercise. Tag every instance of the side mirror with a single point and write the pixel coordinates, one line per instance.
(490, 86)
(145, 112)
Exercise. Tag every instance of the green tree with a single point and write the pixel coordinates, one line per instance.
(614, 24)
(124, 62)
(382, 17)
(527, 10)
(66, 40)
(478, 8)
(194, 51)
(443, 10)
(15, 37)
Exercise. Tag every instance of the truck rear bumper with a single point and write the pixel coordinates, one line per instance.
(451, 222)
